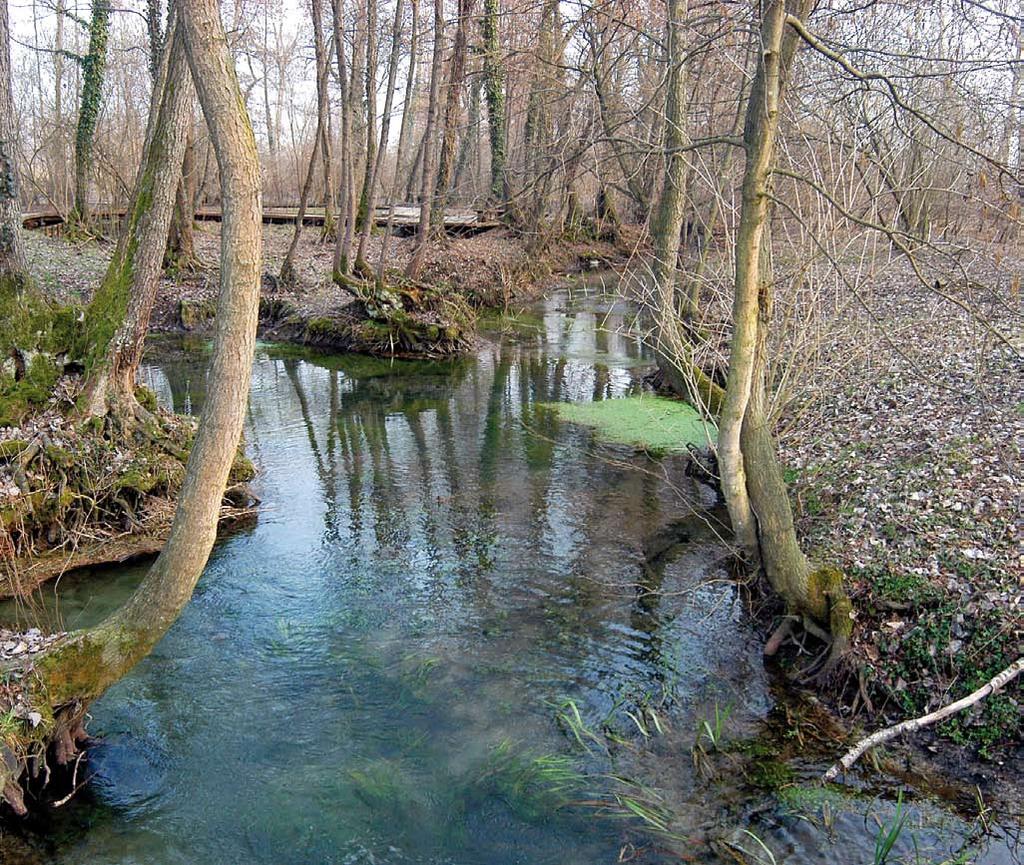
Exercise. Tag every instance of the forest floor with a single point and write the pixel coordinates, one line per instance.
(901, 429)
(901, 424)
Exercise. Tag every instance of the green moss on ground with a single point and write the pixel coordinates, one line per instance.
(38, 334)
(649, 422)
(934, 646)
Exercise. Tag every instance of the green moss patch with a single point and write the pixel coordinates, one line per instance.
(649, 422)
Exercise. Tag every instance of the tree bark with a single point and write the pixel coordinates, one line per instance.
(427, 189)
(346, 203)
(117, 319)
(155, 30)
(494, 83)
(288, 275)
(370, 147)
(373, 176)
(13, 272)
(94, 66)
(85, 664)
(673, 350)
(452, 115)
(323, 107)
(408, 105)
(181, 247)
(404, 130)
(752, 480)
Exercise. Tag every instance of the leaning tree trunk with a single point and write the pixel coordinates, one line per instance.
(288, 275)
(419, 254)
(83, 665)
(94, 67)
(117, 319)
(752, 480)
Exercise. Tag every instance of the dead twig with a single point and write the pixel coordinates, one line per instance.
(995, 684)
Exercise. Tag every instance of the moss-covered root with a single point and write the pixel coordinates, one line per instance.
(834, 607)
(826, 605)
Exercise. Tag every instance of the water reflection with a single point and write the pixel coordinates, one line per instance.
(438, 566)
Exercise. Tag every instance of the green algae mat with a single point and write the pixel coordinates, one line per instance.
(650, 422)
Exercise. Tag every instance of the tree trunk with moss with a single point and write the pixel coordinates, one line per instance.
(13, 272)
(752, 481)
(24, 317)
(82, 666)
(117, 319)
(94, 66)
(494, 84)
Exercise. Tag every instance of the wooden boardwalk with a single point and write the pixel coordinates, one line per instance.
(405, 220)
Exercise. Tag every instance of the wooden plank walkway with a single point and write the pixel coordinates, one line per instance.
(406, 218)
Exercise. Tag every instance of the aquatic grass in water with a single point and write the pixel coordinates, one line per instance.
(889, 833)
(570, 719)
(533, 787)
(648, 422)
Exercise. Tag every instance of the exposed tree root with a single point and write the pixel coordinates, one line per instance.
(76, 493)
(403, 318)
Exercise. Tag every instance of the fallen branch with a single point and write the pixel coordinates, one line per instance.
(997, 683)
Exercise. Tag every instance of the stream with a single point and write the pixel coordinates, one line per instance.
(463, 632)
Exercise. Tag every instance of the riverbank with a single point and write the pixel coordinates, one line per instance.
(900, 418)
(431, 317)
(72, 497)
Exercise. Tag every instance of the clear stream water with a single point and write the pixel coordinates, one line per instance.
(459, 632)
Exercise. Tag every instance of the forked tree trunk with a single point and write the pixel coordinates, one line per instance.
(84, 665)
(752, 481)
(117, 319)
